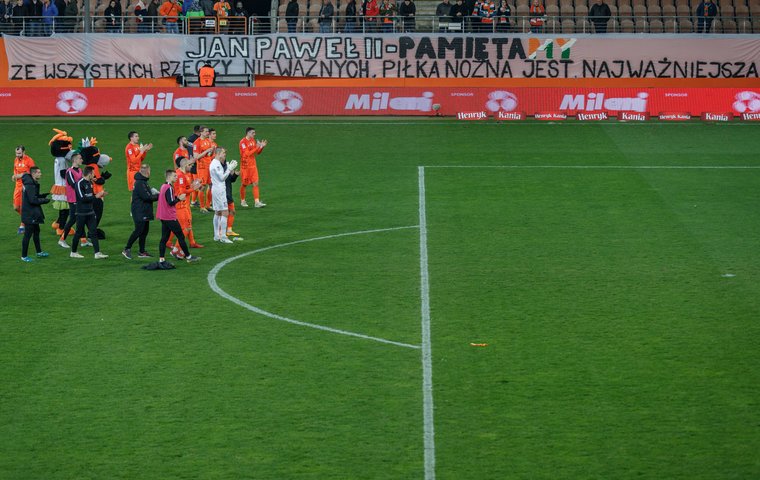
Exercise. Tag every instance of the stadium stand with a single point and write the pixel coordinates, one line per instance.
(562, 16)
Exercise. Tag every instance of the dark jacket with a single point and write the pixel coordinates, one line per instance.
(326, 13)
(599, 13)
(351, 12)
(85, 198)
(142, 199)
(33, 9)
(228, 183)
(32, 201)
(706, 10)
(453, 13)
(406, 11)
(291, 12)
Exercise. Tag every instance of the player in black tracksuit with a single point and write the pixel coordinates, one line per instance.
(86, 213)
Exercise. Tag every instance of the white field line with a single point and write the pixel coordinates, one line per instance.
(427, 356)
(218, 290)
(608, 167)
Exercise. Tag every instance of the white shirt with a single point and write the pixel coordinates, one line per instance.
(218, 174)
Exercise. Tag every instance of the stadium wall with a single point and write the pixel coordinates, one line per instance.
(398, 75)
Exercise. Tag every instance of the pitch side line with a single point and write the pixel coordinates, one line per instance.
(216, 288)
(607, 167)
(427, 355)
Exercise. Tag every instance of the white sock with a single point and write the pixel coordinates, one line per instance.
(216, 227)
(223, 227)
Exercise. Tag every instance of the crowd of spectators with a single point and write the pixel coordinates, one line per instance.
(43, 17)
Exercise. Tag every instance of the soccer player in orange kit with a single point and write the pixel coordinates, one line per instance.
(21, 165)
(135, 153)
(203, 150)
(249, 172)
(184, 185)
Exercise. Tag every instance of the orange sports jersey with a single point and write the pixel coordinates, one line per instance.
(248, 151)
(182, 185)
(201, 145)
(134, 157)
(179, 152)
(21, 166)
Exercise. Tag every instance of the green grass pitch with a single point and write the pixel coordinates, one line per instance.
(619, 305)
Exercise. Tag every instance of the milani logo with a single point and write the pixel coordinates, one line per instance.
(595, 101)
(383, 101)
(166, 101)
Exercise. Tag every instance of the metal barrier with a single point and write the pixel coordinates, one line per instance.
(549, 24)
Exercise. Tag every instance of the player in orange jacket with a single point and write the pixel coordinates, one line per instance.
(21, 165)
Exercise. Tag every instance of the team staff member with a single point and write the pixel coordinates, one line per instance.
(167, 213)
(142, 212)
(207, 74)
(72, 176)
(31, 212)
(135, 154)
(21, 165)
(249, 148)
(86, 214)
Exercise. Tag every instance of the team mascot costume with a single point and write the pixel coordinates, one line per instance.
(92, 157)
(60, 148)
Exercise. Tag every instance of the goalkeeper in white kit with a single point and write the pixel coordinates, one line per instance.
(219, 171)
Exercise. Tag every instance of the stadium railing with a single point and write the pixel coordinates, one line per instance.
(651, 22)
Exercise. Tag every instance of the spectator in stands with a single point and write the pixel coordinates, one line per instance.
(599, 14)
(71, 13)
(537, 17)
(61, 6)
(208, 8)
(457, 13)
(371, 12)
(291, 15)
(502, 17)
(49, 12)
(152, 16)
(170, 11)
(140, 13)
(351, 17)
(17, 17)
(387, 16)
(241, 14)
(326, 16)
(706, 12)
(33, 18)
(468, 7)
(222, 10)
(113, 17)
(484, 11)
(443, 12)
(407, 11)
(6, 13)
